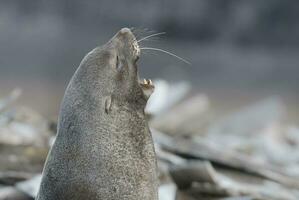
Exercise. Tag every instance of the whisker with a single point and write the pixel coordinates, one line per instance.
(167, 52)
(152, 35)
(140, 32)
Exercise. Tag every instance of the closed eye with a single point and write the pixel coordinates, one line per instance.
(118, 63)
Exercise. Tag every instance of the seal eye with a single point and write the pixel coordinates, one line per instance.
(137, 58)
(118, 63)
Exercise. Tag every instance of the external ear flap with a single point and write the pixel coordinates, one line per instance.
(108, 104)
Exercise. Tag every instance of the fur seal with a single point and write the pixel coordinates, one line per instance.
(104, 149)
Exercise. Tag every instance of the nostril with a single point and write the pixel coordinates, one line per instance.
(137, 58)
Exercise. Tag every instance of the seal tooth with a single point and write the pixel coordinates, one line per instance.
(145, 81)
(150, 81)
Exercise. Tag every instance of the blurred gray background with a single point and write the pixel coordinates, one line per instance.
(240, 51)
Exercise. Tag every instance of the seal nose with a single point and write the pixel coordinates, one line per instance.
(125, 31)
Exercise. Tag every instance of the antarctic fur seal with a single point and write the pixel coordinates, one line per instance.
(104, 149)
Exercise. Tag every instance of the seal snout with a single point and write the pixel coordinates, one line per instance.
(127, 37)
(125, 31)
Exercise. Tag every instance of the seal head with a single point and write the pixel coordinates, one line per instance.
(118, 59)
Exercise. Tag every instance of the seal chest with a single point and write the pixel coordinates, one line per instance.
(104, 149)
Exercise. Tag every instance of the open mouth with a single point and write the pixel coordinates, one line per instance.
(147, 87)
(147, 83)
